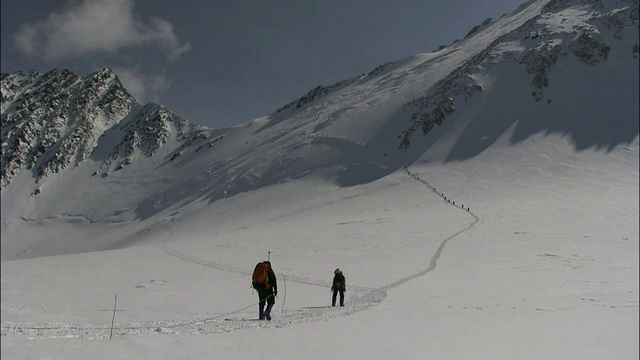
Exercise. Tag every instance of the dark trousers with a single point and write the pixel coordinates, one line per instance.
(265, 296)
(335, 294)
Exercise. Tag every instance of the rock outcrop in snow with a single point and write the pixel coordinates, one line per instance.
(585, 30)
(52, 121)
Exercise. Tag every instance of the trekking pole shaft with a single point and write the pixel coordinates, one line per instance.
(115, 303)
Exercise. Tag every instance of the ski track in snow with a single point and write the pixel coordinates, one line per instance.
(237, 319)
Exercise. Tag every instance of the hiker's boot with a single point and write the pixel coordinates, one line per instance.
(267, 312)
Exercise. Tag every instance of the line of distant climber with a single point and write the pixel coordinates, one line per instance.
(415, 176)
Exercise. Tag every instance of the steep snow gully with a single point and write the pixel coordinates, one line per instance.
(231, 321)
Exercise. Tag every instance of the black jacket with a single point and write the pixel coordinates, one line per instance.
(272, 280)
(339, 282)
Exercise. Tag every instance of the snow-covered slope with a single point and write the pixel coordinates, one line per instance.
(482, 201)
(86, 167)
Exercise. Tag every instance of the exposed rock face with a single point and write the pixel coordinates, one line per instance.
(52, 121)
(55, 120)
(80, 153)
(564, 28)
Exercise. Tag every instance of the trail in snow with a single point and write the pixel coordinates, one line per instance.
(237, 319)
(229, 268)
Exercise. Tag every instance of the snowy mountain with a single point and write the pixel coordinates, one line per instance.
(52, 121)
(481, 200)
(55, 121)
(123, 168)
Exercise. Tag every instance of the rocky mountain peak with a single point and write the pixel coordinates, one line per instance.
(584, 30)
(51, 121)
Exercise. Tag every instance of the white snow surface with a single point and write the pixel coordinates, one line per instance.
(490, 244)
(544, 265)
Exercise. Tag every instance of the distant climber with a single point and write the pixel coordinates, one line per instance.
(264, 281)
(339, 285)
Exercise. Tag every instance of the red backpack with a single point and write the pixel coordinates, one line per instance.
(261, 275)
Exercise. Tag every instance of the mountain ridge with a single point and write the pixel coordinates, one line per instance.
(515, 75)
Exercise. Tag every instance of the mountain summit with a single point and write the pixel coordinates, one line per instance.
(124, 169)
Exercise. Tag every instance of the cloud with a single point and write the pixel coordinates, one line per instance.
(95, 26)
(143, 87)
(157, 84)
(133, 82)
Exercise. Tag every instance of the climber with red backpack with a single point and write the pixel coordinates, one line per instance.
(264, 281)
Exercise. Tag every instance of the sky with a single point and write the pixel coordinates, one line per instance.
(505, 236)
(222, 63)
